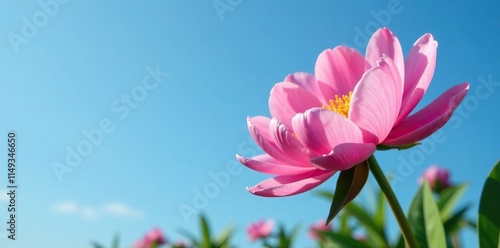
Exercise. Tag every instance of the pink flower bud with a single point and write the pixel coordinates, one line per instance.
(260, 229)
(438, 178)
(156, 235)
(142, 243)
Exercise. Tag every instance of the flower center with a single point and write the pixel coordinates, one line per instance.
(340, 104)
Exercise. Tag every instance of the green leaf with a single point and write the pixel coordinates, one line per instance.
(374, 233)
(116, 241)
(403, 147)
(325, 194)
(455, 222)
(96, 245)
(283, 240)
(223, 238)
(488, 225)
(191, 237)
(379, 215)
(281, 234)
(221, 241)
(448, 198)
(349, 185)
(341, 241)
(205, 231)
(293, 234)
(400, 243)
(344, 225)
(425, 220)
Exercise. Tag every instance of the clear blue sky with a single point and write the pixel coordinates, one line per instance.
(70, 67)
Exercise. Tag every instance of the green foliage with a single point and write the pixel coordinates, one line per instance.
(375, 231)
(402, 147)
(96, 245)
(207, 241)
(489, 218)
(339, 240)
(372, 222)
(448, 199)
(425, 219)
(434, 218)
(285, 239)
(114, 244)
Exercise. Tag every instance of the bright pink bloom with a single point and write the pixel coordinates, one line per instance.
(318, 227)
(335, 119)
(154, 236)
(142, 243)
(438, 178)
(260, 229)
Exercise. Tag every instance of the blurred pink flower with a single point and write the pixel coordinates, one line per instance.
(260, 229)
(155, 236)
(142, 243)
(438, 178)
(335, 119)
(318, 227)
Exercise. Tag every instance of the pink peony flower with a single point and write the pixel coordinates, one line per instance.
(260, 229)
(318, 227)
(438, 178)
(335, 119)
(154, 236)
(142, 243)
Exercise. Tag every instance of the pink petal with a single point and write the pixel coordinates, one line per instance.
(383, 41)
(376, 100)
(290, 145)
(308, 82)
(339, 70)
(290, 185)
(344, 156)
(320, 130)
(419, 69)
(267, 227)
(288, 99)
(259, 129)
(261, 123)
(269, 165)
(429, 119)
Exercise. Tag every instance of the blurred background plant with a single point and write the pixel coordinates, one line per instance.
(434, 215)
(263, 231)
(358, 217)
(223, 240)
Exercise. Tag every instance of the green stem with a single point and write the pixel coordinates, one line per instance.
(393, 203)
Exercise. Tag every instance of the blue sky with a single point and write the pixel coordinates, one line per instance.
(163, 88)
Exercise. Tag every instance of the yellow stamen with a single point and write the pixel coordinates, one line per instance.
(340, 104)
